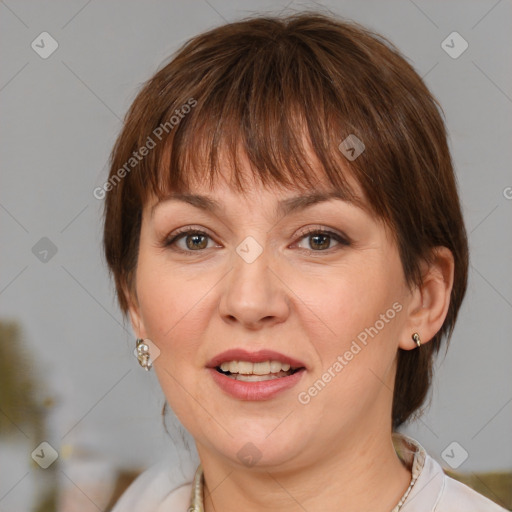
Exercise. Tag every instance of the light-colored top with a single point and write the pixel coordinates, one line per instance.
(432, 489)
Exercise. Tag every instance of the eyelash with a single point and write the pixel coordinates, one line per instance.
(170, 241)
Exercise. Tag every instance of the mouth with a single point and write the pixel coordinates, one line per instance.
(256, 372)
(258, 375)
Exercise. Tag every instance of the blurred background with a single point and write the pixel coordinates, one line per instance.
(79, 419)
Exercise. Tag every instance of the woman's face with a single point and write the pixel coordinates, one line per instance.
(259, 278)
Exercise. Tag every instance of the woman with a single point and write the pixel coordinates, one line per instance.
(283, 227)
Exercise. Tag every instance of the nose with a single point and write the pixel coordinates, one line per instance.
(254, 294)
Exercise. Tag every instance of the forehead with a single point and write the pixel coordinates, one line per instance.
(211, 191)
(277, 199)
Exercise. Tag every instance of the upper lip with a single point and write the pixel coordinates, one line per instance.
(239, 354)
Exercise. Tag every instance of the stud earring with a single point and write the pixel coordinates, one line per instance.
(143, 355)
(416, 339)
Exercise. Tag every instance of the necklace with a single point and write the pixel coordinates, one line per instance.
(416, 466)
(408, 450)
(404, 497)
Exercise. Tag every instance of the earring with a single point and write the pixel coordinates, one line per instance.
(416, 339)
(143, 355)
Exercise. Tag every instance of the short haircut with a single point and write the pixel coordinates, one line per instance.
(265, 85)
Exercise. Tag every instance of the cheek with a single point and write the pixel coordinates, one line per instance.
(355, 326)
(356, 370)
(349, 301)
(166, 299)
(172, 311)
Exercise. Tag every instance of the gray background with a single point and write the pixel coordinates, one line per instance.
(60, 117)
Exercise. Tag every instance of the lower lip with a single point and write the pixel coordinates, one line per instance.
(262, 390)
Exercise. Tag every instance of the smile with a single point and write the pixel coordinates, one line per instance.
(255, 372)
(254, 376)
(252, 387)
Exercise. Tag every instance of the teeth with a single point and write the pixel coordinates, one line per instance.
(258, 378)
(254, 378)
(244, 367)
(261, 368)
(275, 366)
(247, 368)
(225, 367)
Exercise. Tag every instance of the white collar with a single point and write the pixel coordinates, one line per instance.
(410, 452)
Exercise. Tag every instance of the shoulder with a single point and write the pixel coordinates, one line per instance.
(434, 491)
(457, 496)
(155, 490)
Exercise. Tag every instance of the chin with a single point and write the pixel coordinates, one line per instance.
(261, 450)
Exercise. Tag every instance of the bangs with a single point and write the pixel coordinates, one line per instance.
(266, 105)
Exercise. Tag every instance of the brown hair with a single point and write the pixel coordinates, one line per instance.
(265, 85)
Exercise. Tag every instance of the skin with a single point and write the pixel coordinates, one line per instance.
(298, 299)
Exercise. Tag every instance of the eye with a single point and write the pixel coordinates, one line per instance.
(194, 240)
(320, 239)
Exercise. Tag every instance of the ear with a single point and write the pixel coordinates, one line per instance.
(430, 301)
(134, 312)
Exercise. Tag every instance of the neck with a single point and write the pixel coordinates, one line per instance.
(362, 475)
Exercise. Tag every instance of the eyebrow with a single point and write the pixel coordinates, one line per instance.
(284, 207)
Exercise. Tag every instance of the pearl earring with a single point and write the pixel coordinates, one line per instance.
(143, 355)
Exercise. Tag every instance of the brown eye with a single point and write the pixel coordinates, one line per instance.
(321, 240)
(194, 241)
